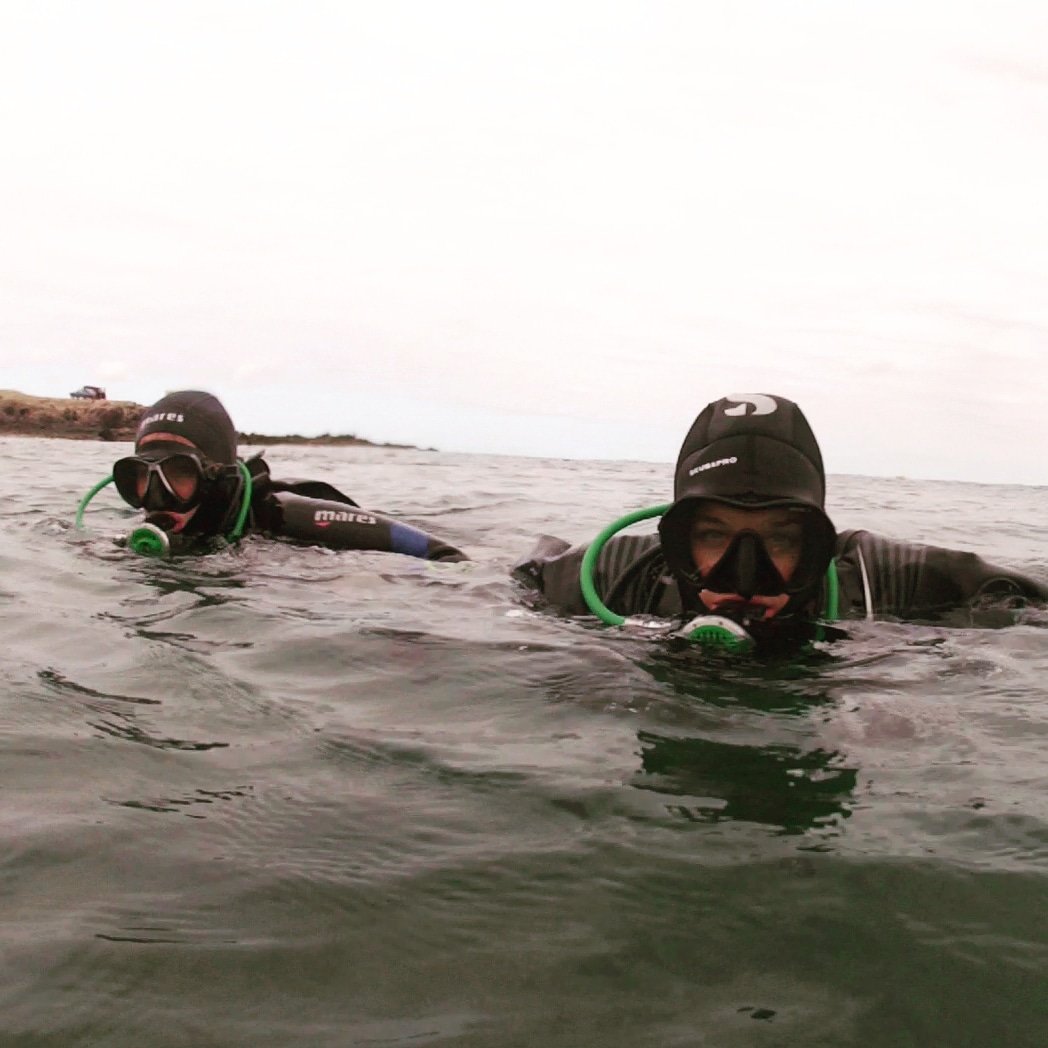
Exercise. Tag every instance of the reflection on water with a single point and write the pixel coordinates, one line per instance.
(784, 787)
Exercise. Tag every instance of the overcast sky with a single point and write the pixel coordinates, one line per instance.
(540, 228)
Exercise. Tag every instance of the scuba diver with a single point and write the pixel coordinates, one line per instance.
(186, 476)
(746, 546)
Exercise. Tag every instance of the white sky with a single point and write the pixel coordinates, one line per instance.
(540, 228)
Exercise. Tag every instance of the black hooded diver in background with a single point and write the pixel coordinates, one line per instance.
(747, 537)
(186, 475)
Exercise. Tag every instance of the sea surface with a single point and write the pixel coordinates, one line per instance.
(283, 796)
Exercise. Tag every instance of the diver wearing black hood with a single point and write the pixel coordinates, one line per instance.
(747, 537)
(186, 475)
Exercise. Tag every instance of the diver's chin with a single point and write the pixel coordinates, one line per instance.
(171, 522)
(758, 608)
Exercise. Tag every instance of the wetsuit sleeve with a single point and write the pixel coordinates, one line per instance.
(627, 577)
(324, 522)
(552, 570)
(883, 577)
(314, 489)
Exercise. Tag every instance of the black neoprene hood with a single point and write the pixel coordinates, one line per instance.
(197, 416)
(750, 451)
(757, 449)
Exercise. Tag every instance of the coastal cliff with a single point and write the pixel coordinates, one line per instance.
(25, 415)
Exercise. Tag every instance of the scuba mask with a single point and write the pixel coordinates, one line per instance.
(177, 480)
(745, 568)
(787, 553)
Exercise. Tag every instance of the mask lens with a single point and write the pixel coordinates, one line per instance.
(760, 551)
(131, 477)
(182, 476)
(746, 569)
(174, 481)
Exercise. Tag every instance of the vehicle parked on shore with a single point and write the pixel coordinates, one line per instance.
(89, 393)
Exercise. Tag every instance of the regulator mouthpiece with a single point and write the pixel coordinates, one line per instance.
(150, 541)
(716, 631)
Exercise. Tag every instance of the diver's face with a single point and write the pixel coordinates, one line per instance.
(179, 520)
(712, 532)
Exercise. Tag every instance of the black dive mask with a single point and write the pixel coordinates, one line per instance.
(745, 566)
(161, 483)
(746, 569)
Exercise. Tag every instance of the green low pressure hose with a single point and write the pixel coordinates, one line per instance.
(833, 594)
(245, 505)
(88, 497)
(589, 561)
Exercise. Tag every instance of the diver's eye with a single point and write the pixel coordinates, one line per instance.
(783, 543)
(182, 475)
(710, 540)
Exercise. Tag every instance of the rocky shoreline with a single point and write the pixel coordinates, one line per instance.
(29, 416)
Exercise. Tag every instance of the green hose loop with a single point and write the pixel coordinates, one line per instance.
(245, 505)
(831, 613)
(87, 498)
(589, 561)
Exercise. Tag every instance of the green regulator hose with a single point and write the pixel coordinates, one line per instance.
(88, 497)
(245, 505)
(589, 561)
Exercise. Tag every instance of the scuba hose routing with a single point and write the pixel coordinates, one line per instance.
(709, 630)
(152, 541)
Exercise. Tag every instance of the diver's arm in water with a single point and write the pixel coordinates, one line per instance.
(317, 512)
(344, 525)
(552, 569)
(630, 576)
(879, 576)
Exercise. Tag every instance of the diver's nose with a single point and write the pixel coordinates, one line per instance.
(155, 497)
(746, 567)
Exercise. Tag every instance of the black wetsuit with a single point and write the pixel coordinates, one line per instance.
(317, 513)
(878, 578)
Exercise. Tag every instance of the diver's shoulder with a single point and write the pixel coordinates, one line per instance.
(553, 567)
(889, 576)
(549, 550)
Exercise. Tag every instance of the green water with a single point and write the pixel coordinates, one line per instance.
(283, 796)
